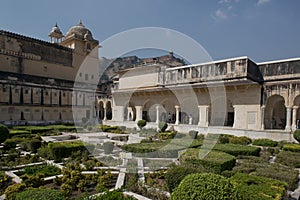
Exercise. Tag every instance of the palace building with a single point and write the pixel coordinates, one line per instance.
(236, 96)
(38, 77)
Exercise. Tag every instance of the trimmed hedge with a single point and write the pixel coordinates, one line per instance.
(243, 140)
(62, 150)
(254, 187)
(291, 147)
(288, 158)
(264, 142)
(235, 149)
(141, 123)
(13, 133)
(40, 193)
(205, 186)
(296, 135)
(176, 174)
(4, 133)
(162, 126)
(214, 161)
(31, 145)
(111, 129)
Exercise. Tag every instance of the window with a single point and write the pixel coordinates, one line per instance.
(3, 89)
(45, 68)
(16, 90)
(86, 77)
(80, 74)
(88, 46)
(26, 91)
(55, 94)
(92, 76)
(64, 94)
(46, 93)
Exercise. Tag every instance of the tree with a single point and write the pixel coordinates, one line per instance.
(4, 133)
(205, 186)
(141, 123)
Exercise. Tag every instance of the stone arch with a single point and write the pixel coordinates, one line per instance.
(296, 115)
(275, 112)
(220, 115)
(167, 110)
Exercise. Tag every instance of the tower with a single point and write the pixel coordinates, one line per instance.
(56, 35)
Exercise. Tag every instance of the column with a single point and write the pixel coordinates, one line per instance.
(104, 111)
(288, 118)
(177, 115)
(157, 114)
(139, 113)
(294, 123)
(203, 115)
(263, 117)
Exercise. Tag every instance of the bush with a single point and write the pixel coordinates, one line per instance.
(176, 174)
(265, 142)
(162, 126)
(254, 187)
(4, 133)
(13, 133)
(296, 135)
(141, 123)
(214, 161)
(40, 193)
(288, 158)
(243, 140)
(31, 145)
(203, 187)
(291, 147)
(108, 147)
(235, 149)
(193, 134)
(11, 191)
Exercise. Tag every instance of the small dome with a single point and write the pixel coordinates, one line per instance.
(80, 31)
(56, 32)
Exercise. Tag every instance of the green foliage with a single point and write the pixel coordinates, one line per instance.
(254, 187)
(296, 135)
(12, 142)
(4, 181)
(13, 133)
(162, 126)
(291, 147)
(114, 195)
(111, 129)
(193, 134)
(44, 129)
(166, 135)
(4, 133)
(243, 140)
(45, 152)
(12, 190)
(203, 187)
(31, 145)
(40, 194)
(235, 149)
(42, 170)
(265, 142)
(61, 150)
(141, 123)
(214, 161)
(288, 158)
(176, 174)
(108, 147)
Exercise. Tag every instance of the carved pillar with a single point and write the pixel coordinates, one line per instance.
(139, 113)
(203, 116)
(263, 117)
(157, 114)
(294, 123)
(104, 111)
(288, 118)
(177, 115)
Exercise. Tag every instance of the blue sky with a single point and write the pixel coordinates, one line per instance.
(261, 29)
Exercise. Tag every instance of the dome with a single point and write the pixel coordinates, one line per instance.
(79, 31)
(56, 32)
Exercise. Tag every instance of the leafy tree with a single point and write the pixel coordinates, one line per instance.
(205, 186)
(4, 133)
(141, 123)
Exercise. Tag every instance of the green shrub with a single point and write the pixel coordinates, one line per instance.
(176, 174)
(265, 142)
(141, 123)
(296, 135)
(4, 133)
(291, 147)
(214, 161)
(13, 133)
(166, 135)
(243, 140)
(236, 149)
(40, 193)
(162, 126)
(288, 158)
(42, 170)
(108, 147)
(193, 134)
(12, 142)
(254, 187)
(12, 190)
(203, 187)
(31, 145)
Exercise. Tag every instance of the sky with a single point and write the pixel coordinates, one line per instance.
(263, 30)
